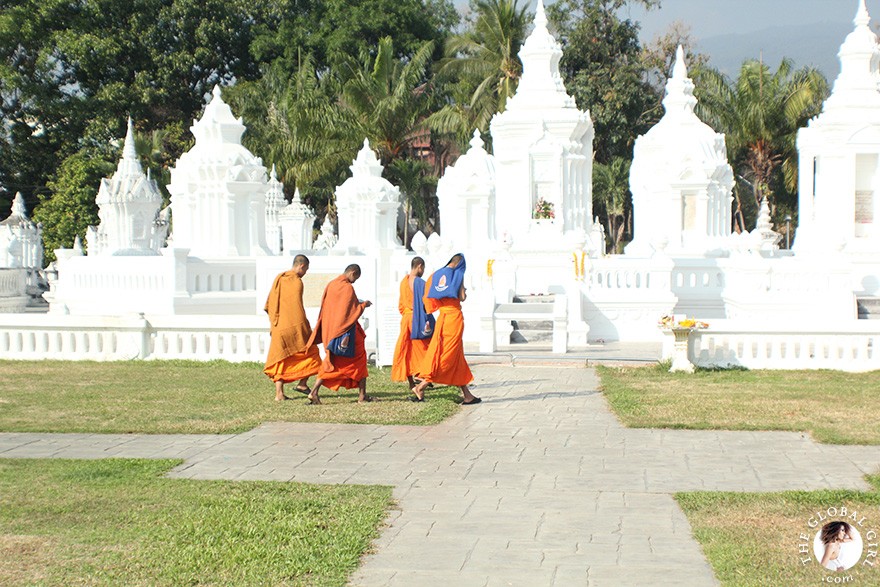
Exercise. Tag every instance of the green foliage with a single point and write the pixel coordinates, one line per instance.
(70, 207)
(611, 197)
(603, 70)
(760, 113)
(481, 68)
(328, 29)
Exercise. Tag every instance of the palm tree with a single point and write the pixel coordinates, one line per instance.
(611, 194)
(387, 99)
(760, 113)
(482, 67)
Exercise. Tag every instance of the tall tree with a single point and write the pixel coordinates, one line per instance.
(611, 197)
(760, 113)
(603, 70)
(482, 67)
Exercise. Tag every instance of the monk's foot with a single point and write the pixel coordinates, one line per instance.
(281, 398)
(472, 401)
(314, 399)
(303, 390)
(419, 394)
(364, 399)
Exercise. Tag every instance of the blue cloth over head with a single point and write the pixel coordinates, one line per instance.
(446, 281)
(422, 323)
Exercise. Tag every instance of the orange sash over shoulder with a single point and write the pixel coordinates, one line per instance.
(339, 310)
(290, 356)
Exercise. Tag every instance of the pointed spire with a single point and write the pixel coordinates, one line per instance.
(18, 208)
(128, 150)
(679, 88)
(540, 15)
(273, 175)
(679, 70)
(77, 245)
(216, 93)
(862, 17)
(297, 199)
(477, 140)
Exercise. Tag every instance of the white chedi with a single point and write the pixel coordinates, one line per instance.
(218, 189)
(297, 224)
(274, 202)
(326, 237)
(128, 206)
(680, 179)
(839, 155)
(367, 206)
(466, 198)
(21, 241)
(543, 147)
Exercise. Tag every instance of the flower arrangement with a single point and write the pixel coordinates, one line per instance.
(543, 210)
(667, 321)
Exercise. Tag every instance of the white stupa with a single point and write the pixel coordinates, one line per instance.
(367, 206)
(839, 155)
(543, 147)
(466, 196)
(297, 223)
(128, 206)
(274, 202)
(680, 179)
(21, 241)
(218, 190)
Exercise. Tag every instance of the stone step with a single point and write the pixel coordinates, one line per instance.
(533, 299)
(533, 325)
(869, 308)
(527, 336)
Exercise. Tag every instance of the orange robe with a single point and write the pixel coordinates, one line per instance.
(291, 356)
(339, 310)
(409, 353)
(444, 360)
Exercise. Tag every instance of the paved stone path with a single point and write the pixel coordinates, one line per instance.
(538, 485)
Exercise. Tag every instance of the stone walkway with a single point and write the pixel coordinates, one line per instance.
(538, 485)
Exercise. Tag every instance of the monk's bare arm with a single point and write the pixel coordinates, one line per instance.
(462, 293)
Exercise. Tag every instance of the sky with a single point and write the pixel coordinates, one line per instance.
(710, 18)
(730, 31)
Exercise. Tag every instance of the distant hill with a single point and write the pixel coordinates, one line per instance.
(815, 44)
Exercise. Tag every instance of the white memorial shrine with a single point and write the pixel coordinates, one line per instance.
(21, 257)
(538, 277)
(680, 180)
(128, 206)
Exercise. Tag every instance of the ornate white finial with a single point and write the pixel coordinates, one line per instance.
(18, 208)
(297, 199)
(77, 245)
(862, 17)
(679, 88)
(216, 91)
(477, 140)
(679, 70)
(128, 150)
(272, 175)
(540, 15)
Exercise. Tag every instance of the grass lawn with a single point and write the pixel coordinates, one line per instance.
(164, 397)
(834, 407)
(120, 522)
(752, 538)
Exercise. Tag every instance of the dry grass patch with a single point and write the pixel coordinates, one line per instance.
(752, 539)
(834, 407)
(166, 397)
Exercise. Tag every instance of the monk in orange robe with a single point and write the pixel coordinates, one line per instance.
(291, 356)
(340, 310)
(444, 360)
(409, 352)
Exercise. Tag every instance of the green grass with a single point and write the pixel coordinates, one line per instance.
(834, 407)
(121, 522)
(157, 397)
(752, 539)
